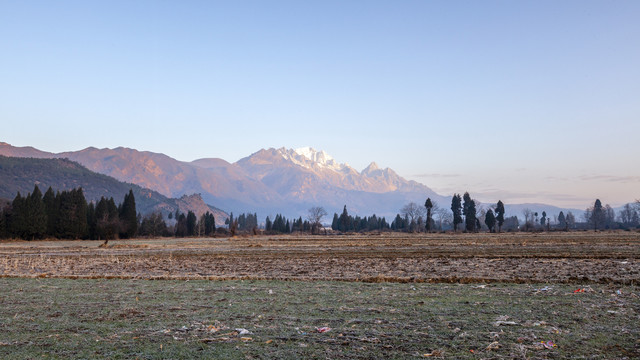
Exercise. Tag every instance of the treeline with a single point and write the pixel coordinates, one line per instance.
(67, 215)
(346, 222)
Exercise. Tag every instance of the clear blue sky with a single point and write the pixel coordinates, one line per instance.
(527, 101)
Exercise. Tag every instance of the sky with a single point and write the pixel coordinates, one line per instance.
(523, 101)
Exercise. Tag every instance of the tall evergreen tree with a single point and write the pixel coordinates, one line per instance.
(345, 221)
(562, 222)
(36, 215)
(268, 225)
(597, 215)
(129, 216)
(429, 205)
(191, 223)
(456, 207)
(209, 224)
(469, 209)
(500, 214)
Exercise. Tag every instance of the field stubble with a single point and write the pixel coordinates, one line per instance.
(583, 257)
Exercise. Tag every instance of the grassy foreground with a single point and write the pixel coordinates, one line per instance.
(62, 318)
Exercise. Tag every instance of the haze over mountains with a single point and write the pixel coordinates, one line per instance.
(268, 181)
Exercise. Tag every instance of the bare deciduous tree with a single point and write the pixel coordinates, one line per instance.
(444, 216)
(315, 216)
(528, 218)
(412, 211)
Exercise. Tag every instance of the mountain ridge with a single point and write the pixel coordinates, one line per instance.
(268, 181)
(21, 174)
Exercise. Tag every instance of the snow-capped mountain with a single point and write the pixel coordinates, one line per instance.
(270, 181)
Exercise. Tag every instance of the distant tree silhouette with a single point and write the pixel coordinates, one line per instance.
(128, 217)
(428, 205)
(500, 215)
(456, 208)
(490, 220)
(469, 210)
(191, 223)
(315, 216)
(562, 222)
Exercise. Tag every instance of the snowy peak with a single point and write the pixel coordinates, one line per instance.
(313, 155)
(310, 158)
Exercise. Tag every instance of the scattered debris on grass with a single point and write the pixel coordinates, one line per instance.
(434, 353)
(242, 331)
(504, 320)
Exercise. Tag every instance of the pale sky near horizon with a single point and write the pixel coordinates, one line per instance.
(524, 101)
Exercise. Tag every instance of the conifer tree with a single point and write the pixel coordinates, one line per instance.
(429, 205)
(268, 226)
(597, 215)
(456, 207)
(36, 215)
(561, 220)
(129, 216)
(469, 210)
(345, 223)
(210, 224)
(191, 223)
(500, 215)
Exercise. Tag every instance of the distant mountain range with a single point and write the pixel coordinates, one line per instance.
(269, 181)
(21, 174)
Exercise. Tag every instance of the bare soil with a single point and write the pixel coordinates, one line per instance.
(575, 257)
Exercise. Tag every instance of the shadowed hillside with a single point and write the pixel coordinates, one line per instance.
(21, 174)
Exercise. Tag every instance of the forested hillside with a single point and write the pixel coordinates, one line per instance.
(21, 174)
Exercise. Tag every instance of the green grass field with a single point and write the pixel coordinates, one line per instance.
(146, 319)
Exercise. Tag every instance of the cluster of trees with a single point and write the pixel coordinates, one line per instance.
(346, 222)
(596, 217)
(465, 210)
(189, 225)
(67, 215)
(628, 216)
(604, 217)
(280, 225)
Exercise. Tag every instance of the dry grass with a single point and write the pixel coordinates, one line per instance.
(581, 257)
